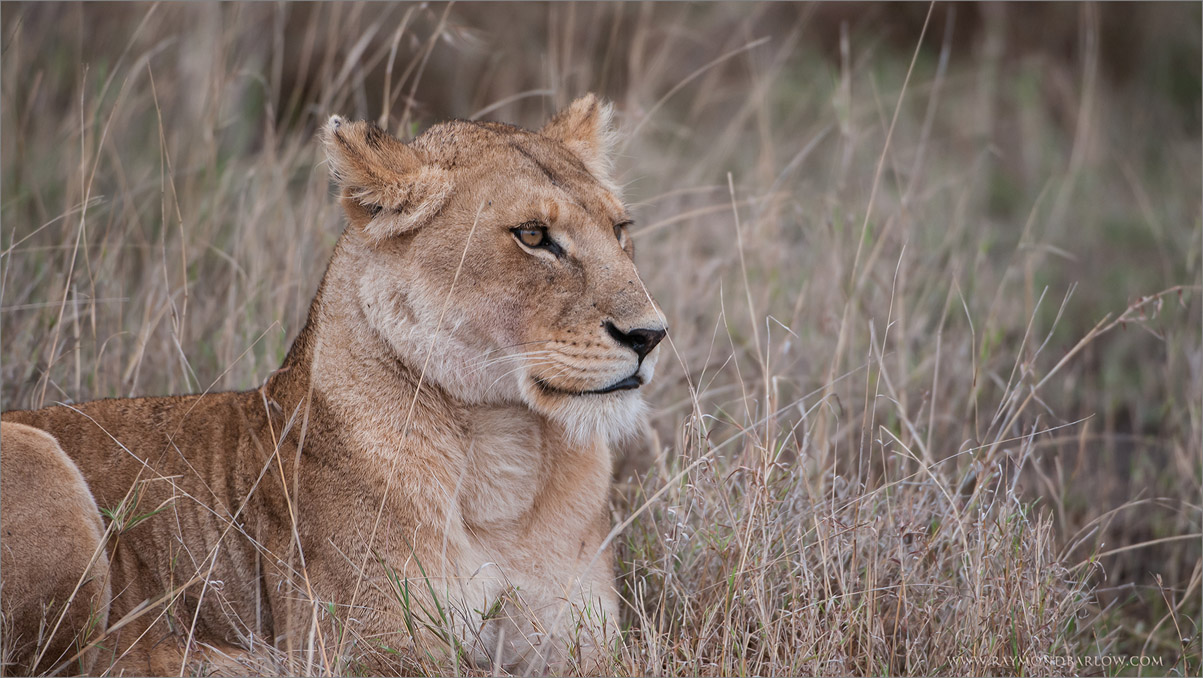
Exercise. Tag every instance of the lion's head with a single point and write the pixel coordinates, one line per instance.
(499, 261)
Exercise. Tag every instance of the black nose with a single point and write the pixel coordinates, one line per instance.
(641, 341)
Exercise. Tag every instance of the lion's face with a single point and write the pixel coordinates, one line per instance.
(499, 261)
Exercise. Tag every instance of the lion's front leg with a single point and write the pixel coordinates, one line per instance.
(534, 620)
(370, 601)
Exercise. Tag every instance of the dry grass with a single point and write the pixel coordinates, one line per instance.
(917, 415)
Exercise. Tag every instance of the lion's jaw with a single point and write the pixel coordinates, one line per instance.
(458, 296)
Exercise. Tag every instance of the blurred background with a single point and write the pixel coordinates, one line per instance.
(966, 232)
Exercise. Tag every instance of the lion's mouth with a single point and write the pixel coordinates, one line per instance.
(625, 384)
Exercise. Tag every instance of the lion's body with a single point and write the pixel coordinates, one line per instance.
(410, 449)
(39, 574)
(182, 447)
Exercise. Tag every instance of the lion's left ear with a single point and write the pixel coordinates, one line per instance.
(585, 128)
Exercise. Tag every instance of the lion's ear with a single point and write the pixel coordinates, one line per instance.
(585, 128)
(387, 187)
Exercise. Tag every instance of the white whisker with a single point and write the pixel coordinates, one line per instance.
(482, 365)
(520, 368)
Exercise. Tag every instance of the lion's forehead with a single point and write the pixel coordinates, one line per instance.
(514, 156)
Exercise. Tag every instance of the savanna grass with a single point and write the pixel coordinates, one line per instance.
(930, 401)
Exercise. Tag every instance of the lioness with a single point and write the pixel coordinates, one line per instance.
(430, 463)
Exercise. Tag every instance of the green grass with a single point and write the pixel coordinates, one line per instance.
(868, 453)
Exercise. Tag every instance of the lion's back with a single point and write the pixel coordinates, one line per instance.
(117, 442)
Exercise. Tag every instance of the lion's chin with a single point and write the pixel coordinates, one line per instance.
(610, 416)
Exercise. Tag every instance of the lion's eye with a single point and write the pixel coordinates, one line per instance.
(620, 230)
(532, 237)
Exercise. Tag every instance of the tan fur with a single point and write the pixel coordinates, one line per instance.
(55, 588)
(428, 434)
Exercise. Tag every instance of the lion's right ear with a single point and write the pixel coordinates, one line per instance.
(387, 187)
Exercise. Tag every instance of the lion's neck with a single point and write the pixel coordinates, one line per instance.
(375, 392)
(382, 406)
(341, 359)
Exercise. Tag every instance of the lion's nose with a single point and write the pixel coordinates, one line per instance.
(641, 341)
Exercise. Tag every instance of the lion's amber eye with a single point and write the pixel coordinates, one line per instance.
(532, 235)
